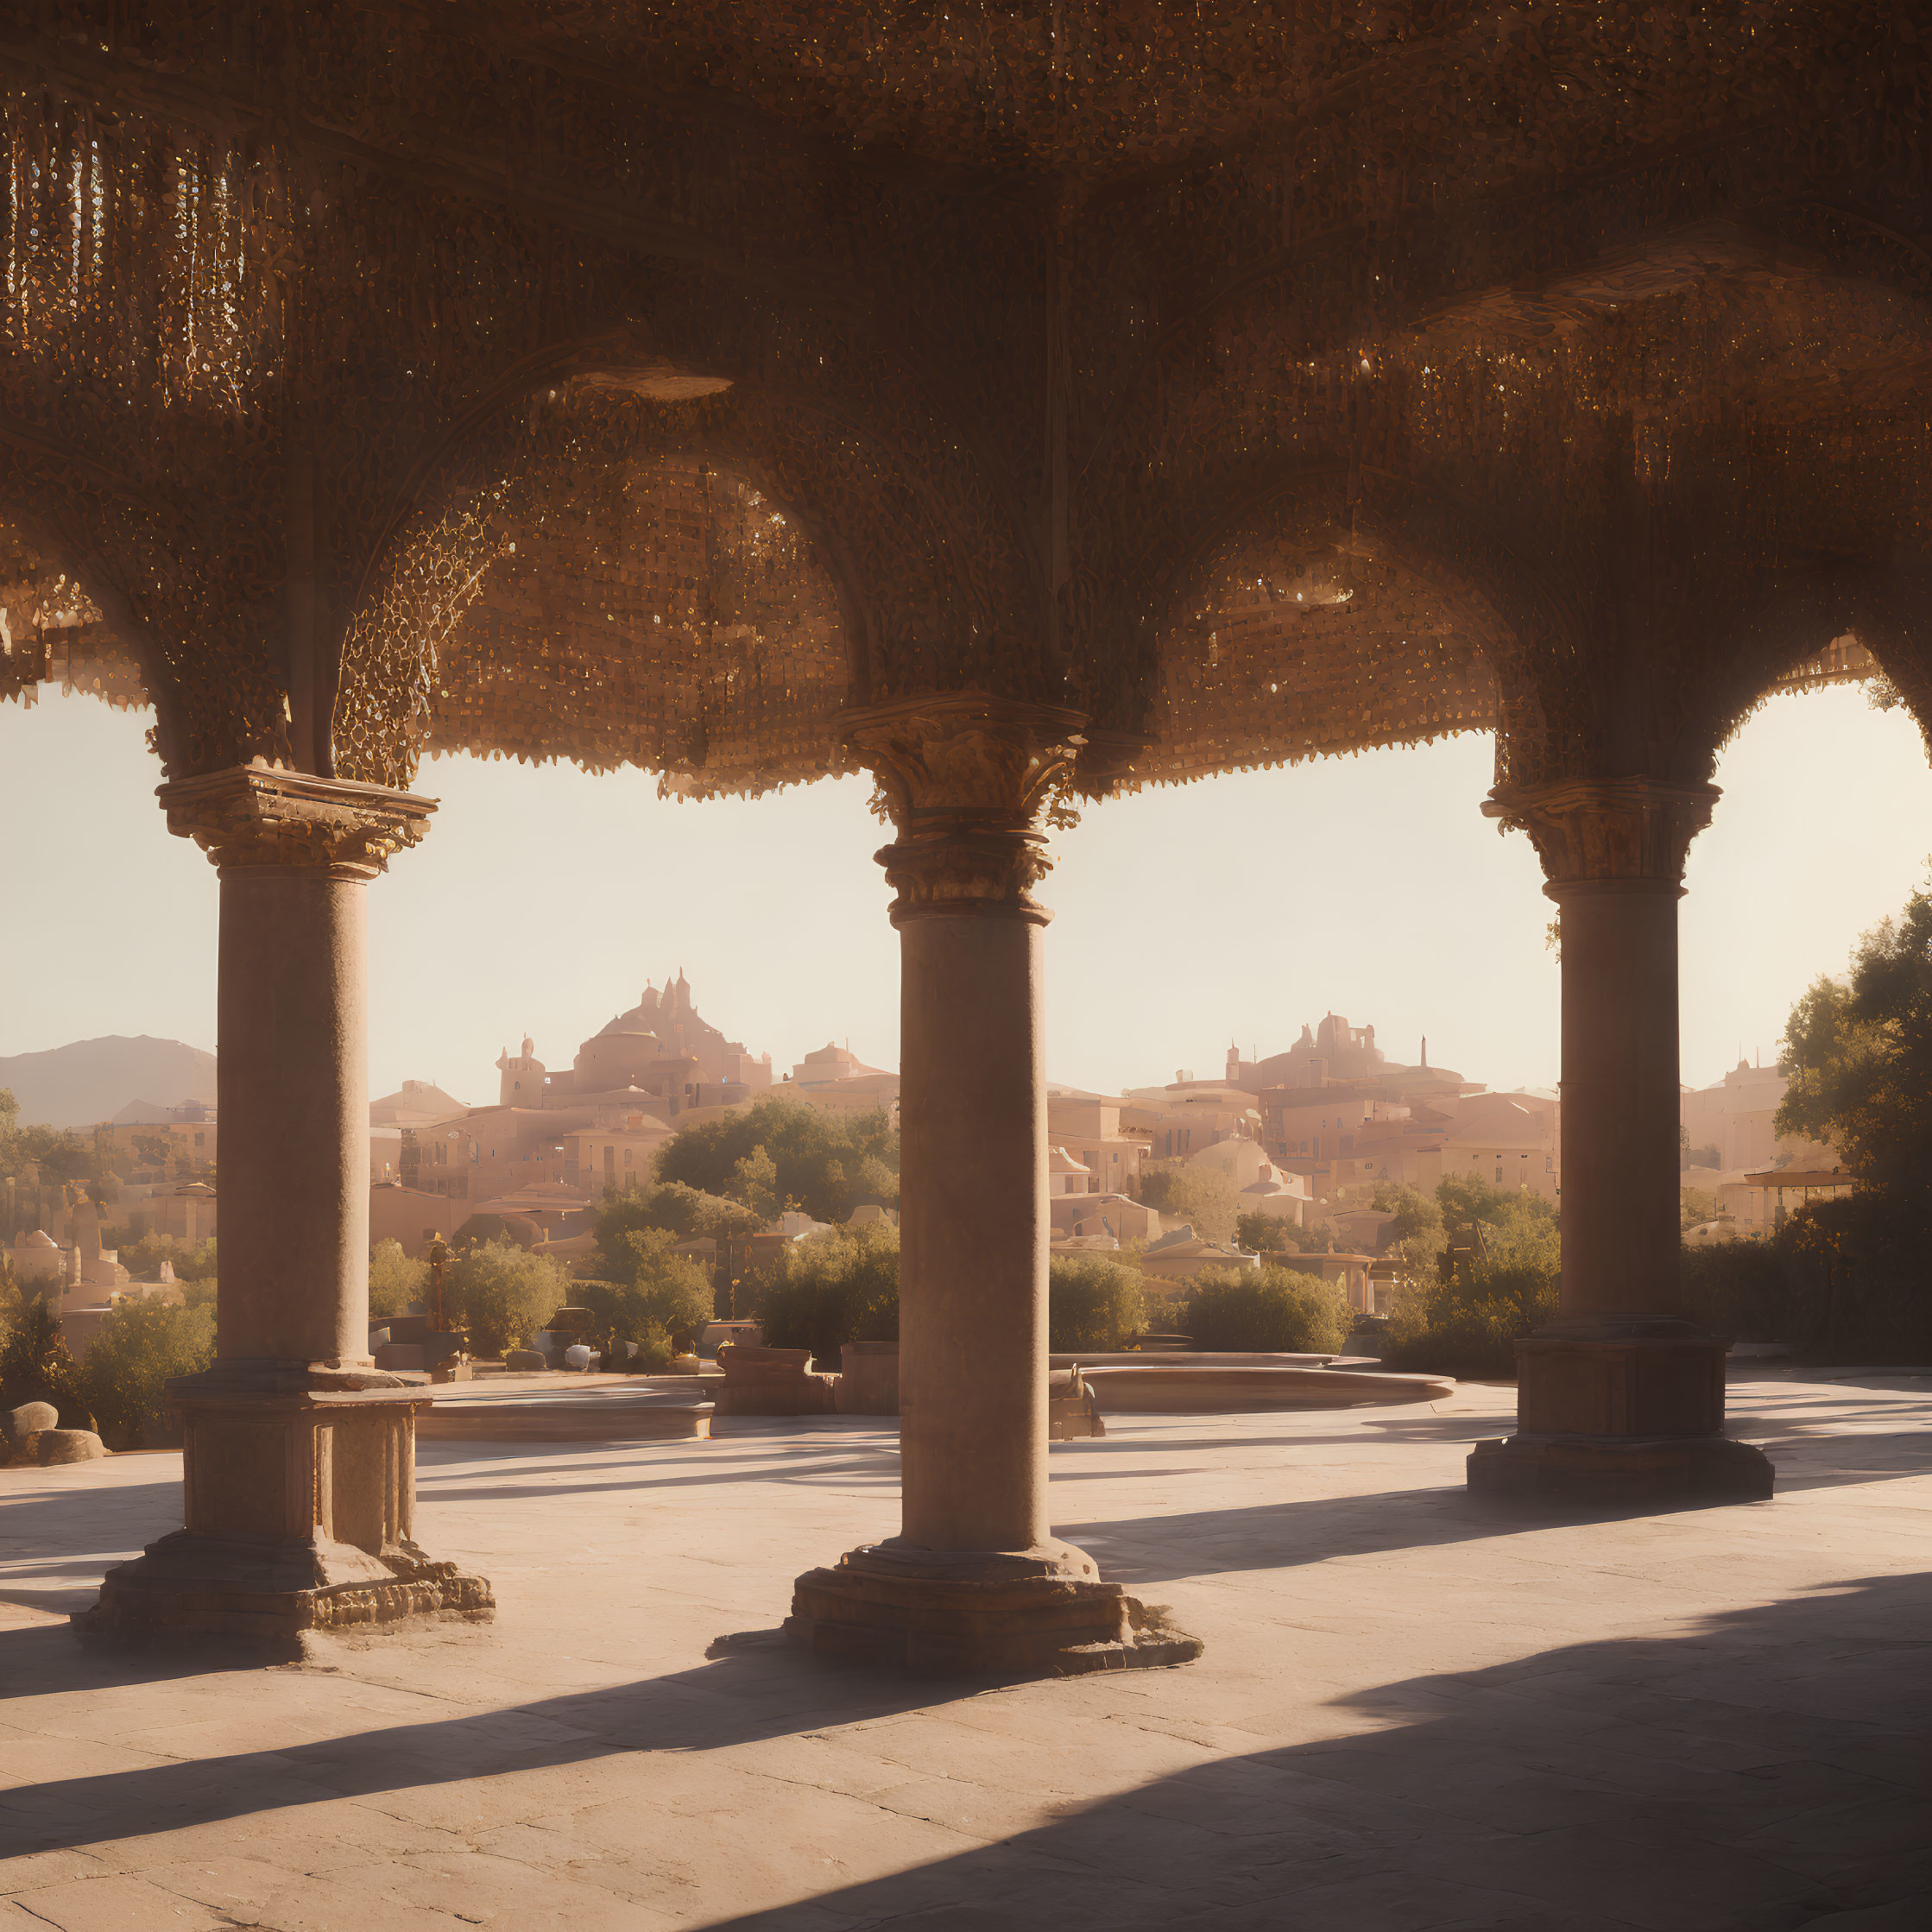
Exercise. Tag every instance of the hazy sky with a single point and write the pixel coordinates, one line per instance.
(1238, 909)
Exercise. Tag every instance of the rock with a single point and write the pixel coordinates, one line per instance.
(28, 1419)
(525, 1362)
(68, 1445)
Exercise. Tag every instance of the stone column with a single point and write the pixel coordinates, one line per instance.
(299, 1454)
(1620, 1398)
(974, 1580)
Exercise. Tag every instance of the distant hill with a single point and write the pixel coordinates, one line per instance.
(91, 1080)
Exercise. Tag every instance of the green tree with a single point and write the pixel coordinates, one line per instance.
(191, 1260)
(503, 1294)
(1416, 1237)
(834, 1288)
(1497, 1278)
(141, 1345)
(754, 1185)
(670, 1208)
(1093, 1304)
(658, 1289)
(1263, 1233)
(819, 1158)
(1858, 1053)
(1204, 1197)
(396, 1280)
(1268, 1309)
(35, 1365)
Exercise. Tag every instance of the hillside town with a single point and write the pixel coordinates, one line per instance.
(1304, 1140)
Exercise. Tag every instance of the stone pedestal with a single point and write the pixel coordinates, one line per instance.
(299, 1512)
(297, 1453)
(1620, 1399)
(975, 1581)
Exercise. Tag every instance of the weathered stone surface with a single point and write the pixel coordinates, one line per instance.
(28, 1419)
(771, 1382)
(52, 1446)
(1416, 1707)
(868, 1378)
(300, 1516)
(1019, 1613)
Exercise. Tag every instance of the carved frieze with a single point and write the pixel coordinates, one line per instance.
(966, 779)
(265, 815)
(1630, 834)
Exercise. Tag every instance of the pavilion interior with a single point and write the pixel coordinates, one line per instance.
(749, 394)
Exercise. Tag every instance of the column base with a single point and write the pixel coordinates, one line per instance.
(1621, 1470)
(1621, 1409)
(272, 1592)
(299, 1505)
(1037, 1613)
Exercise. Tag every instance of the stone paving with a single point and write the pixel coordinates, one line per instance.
(1416, 1710)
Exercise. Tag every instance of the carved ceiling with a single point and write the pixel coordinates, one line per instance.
(649, 384)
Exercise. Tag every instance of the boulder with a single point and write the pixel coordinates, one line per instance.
(525, 1362)
(28, 1419)
(68, 1445)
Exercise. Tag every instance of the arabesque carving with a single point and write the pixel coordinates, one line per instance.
(263, 815)
(966, 780)
(1629, 834)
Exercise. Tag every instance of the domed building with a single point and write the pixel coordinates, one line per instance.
(662, 1049)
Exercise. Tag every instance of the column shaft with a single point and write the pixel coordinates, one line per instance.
(973, 1235)
(294, 1111)
(1621, 1398)
(1620, 1222)
(974, 1580)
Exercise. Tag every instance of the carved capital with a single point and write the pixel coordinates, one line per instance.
(1619, 835)
(965, 777)
(265, 815)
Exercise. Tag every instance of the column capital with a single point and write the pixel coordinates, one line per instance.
(964, 777)
(1607, 834)
(260, 814)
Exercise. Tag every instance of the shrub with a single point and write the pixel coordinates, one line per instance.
(502, 1295)
(394, 1280)
(35, 1365)
(1745, 1290)
(140, 1345)
(835, 1288)
(662, 1293)
(191, 1260)
(1854, 1279)
(1268, 1309)
(1092, 1304)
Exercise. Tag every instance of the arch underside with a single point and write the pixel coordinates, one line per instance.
(1294, 421)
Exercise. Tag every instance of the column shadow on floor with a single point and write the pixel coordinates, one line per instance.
(1768, 1772)
(1761, 1773)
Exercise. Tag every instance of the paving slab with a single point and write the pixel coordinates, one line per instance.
(1418, 1708)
